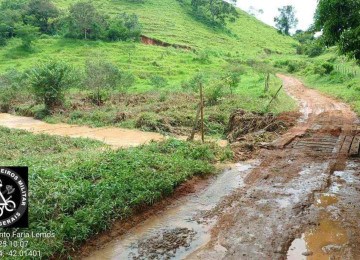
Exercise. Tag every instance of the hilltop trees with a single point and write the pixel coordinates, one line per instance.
(28, 34)
(85, 22)
(340, 23)
(124, 27)
(39, 12)
(217, 11)
(27, 19)
(286, 20)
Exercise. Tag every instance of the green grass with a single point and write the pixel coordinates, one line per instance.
(342, 83)
(78, 187)
(165, 111)
(239, 43)
(242, 43)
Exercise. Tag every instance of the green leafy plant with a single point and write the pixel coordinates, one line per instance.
(49, 81)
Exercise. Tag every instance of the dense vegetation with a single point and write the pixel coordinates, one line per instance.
(76, 193)
(83, 63)
(26, 19)
(340, 24)
(100, 75)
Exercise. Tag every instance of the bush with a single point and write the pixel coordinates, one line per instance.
(49, 82)
(320, 70)
(85, 22)
(214, 94)
(158, 81)
(203, 57)
(124, 27)
(328, 67)
(314, 49)
(295, 66)
(150, 121)
(193, 83)
(100, 76)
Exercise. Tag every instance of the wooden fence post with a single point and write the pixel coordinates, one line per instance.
(202, 112)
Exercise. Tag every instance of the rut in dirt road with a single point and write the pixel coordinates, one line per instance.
(299, 198)
(286, 197)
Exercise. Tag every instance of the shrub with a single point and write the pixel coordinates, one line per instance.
(85, 22)
(124, 27)
(320, 70)
(101, 75)
(49, 81)
(158, 81)
(203, 57)
(328, 67)
(28, 34)
(150, 121)
(295, 66)
(214, 94)
(314, 49)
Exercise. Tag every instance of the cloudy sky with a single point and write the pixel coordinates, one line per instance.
(304, 10)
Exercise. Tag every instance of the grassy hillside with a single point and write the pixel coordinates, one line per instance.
(168, 21)
(216, 50)
(341, 81)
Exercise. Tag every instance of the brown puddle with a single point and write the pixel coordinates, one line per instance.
(326, 240)
(326, 200)
(321, 242)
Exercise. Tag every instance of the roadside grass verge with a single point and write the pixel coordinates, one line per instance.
(334, 75)
(166, 110)
(78, 187)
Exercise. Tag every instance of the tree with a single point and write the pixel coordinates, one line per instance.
(8, 19)
(101, 75)
(49, 81)
(27, 33)
(340, 23)
(39, 12)
(232, 77)
(124, 27)
(286, 20)
(85, 22)
(13, 4)
(216, 10)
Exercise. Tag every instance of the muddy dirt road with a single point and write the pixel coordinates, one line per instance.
(299, 200)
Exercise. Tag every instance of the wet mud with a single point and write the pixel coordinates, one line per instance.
(299, 201)
(115, 137)
(182, 227)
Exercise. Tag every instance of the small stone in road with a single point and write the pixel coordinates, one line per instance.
(307, 253)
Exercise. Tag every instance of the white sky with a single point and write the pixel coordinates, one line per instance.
(305, 10)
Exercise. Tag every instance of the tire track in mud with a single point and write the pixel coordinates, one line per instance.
(279, 203)
(302, 189)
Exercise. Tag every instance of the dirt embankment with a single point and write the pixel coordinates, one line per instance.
(151, 41)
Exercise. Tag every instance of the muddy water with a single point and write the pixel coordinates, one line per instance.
(330, 238)
(116, 137)
(181, 228)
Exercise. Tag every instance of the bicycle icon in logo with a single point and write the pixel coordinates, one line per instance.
(6, 204)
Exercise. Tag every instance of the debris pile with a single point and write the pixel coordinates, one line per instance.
(248, 131)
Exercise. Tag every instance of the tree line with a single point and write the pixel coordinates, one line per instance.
(26, 19)
(337, 20)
